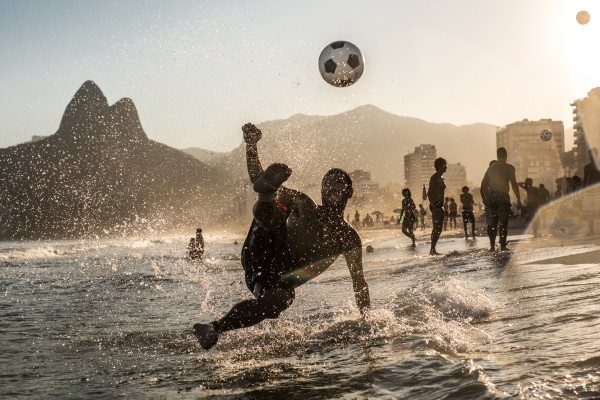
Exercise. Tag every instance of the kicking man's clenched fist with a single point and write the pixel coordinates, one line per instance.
(251, 133)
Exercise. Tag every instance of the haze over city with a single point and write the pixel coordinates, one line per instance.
(198, 70)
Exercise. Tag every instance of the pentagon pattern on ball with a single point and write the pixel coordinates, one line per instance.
(341, 63)
(353, 60)
(330, 66)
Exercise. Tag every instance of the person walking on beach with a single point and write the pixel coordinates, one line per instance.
(407, 215)
(291, 240)
(494, 190)
(435, 194)
(468, 215)
(453, 212)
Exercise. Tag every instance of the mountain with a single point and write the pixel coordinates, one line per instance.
(366, 138)
(99, 174)
(206, 156)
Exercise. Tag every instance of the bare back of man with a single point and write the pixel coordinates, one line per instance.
(499, 176)
(495, 185)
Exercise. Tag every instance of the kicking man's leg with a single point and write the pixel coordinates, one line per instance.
(244, 314)
(266, 210)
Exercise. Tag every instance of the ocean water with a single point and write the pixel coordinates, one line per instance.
(113, 318)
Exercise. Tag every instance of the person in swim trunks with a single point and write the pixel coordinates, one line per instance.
(468, 215)
(435, 194)
(494, 190)
(291, 240)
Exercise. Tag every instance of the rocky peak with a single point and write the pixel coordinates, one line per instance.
(123, 121)
(88, 115)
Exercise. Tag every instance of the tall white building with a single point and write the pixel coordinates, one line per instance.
(533, 157)
(418, 168)
(455, 178)
(586, 123)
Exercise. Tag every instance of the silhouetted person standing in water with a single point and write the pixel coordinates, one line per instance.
(196, 246)
(468, 215)
(453, 212)
(435, 194)
(494, 187)
(591, 173)
(408, 213)
(291, 240)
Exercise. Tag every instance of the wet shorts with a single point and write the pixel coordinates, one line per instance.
(437, 212)
(499, 203)
(265, 258)
(468, 216)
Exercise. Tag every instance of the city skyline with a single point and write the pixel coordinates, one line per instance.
(198, 70)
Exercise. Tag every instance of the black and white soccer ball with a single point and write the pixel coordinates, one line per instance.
(341, 63)
(546, 135)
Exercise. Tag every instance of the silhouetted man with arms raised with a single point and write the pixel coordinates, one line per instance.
(435, 194)
(494, 190)
(291, 240)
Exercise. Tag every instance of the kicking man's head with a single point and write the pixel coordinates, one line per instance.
(406, 192)
(465, 189)
(336, 187)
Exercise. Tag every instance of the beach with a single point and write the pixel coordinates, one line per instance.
(112, 318)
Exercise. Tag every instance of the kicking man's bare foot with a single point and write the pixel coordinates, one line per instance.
(270, 180)
(434, 253)
(206, 334)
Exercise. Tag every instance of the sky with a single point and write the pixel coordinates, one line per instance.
(198, 70)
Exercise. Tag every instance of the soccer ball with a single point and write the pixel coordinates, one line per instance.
(546, 135)
(341, 64)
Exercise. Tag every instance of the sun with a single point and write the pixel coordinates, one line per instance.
(580, 32)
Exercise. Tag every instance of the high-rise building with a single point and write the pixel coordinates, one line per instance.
(418, 168)
(455, 178)
(363, 185)
(533, 157)
(586, 123)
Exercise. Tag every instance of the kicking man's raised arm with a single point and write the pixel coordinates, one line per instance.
(251, 136)
(359, 284)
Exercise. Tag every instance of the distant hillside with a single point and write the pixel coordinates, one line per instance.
(99, 174)
(365, 138)
(206, 156)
